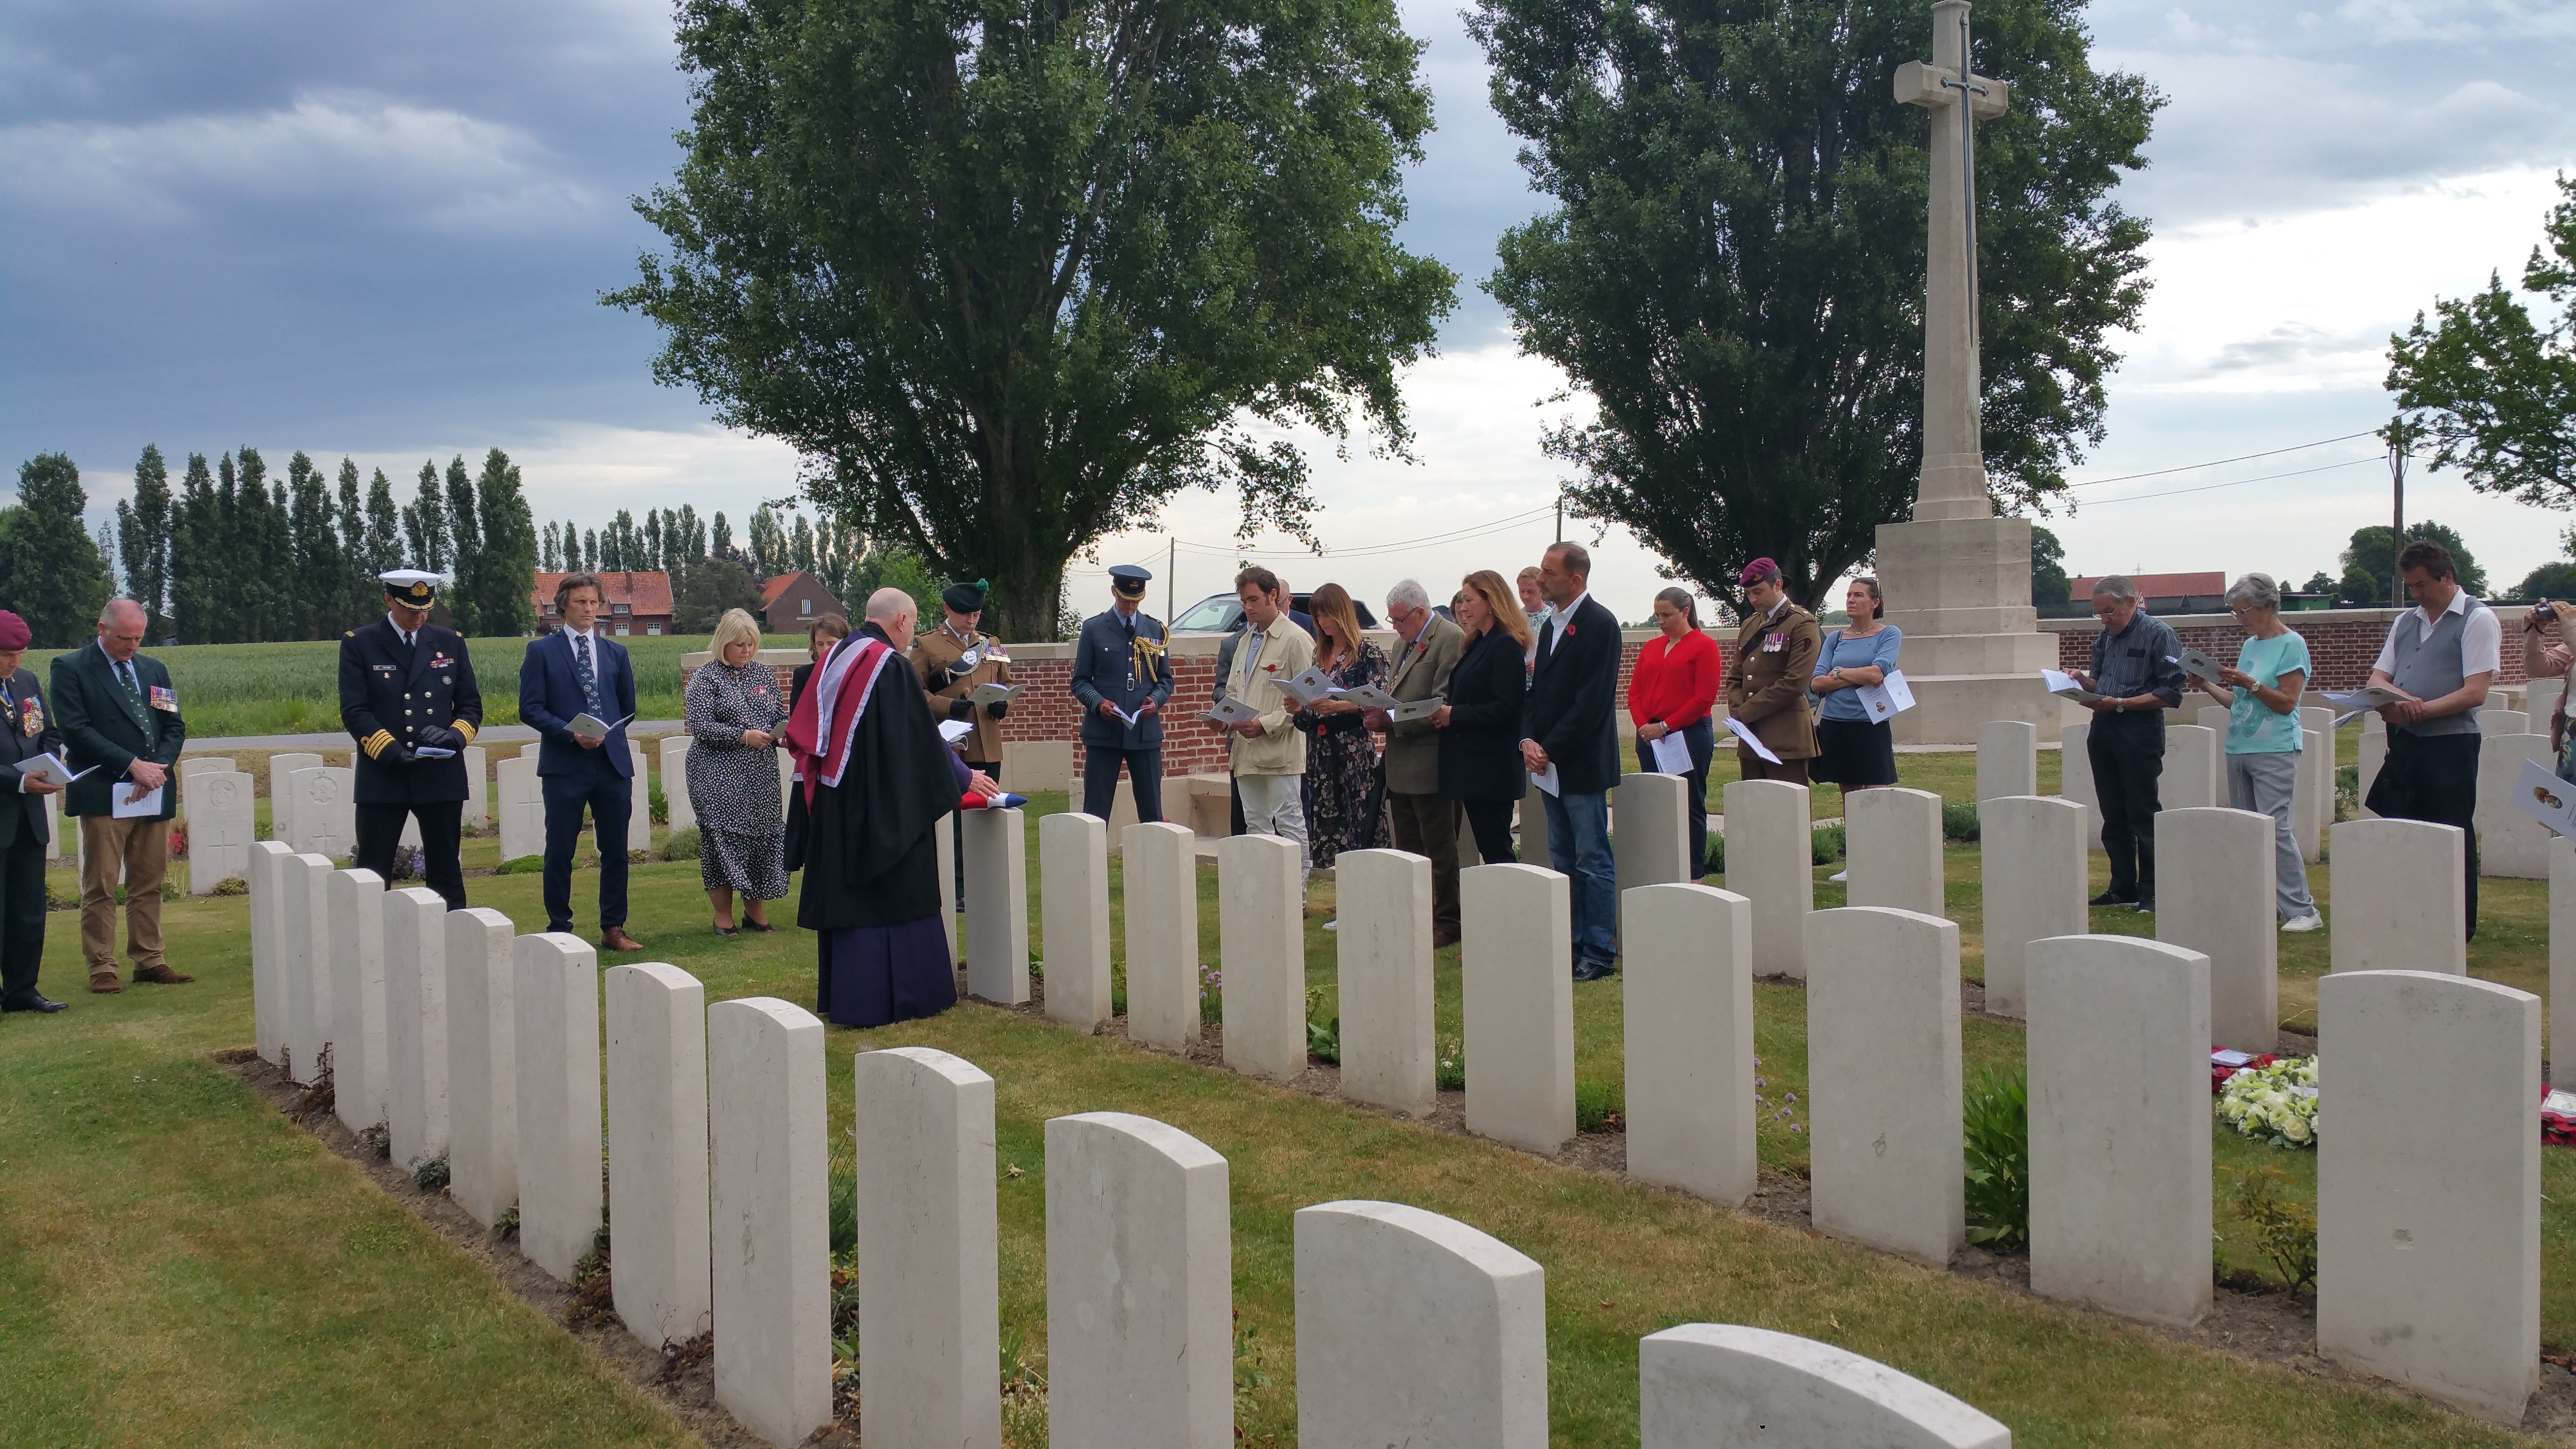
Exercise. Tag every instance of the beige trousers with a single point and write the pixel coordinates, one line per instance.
(138, 852)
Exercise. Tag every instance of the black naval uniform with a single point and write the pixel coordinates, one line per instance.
(393, 698)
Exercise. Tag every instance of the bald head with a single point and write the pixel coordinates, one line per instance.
(894, 611)
(120, 628)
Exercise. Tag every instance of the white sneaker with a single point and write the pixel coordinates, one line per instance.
(2309, 922)
(1840, 875)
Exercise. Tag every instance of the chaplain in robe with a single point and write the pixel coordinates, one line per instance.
(876, 781)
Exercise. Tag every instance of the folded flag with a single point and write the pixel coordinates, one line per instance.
(973, 801)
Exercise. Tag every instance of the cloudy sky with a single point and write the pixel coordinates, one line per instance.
(380, 231)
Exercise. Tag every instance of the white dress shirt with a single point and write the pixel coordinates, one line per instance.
(2481, 639)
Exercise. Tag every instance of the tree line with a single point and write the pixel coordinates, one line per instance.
(230, 555)
(712, 572)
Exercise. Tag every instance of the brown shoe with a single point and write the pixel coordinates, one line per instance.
(104, 983)
(616, 939)
(161, 976)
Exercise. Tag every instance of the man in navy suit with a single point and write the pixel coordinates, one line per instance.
(1569, 725)
(571, 672)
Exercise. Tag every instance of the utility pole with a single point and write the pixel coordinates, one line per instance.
(1560, 518)
(1171, 567)
(2396, 434)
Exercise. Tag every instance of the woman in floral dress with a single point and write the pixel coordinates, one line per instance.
(1343, 809)
(735, 713)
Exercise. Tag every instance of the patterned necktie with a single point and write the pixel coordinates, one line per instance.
(581, 667)
(125, 676)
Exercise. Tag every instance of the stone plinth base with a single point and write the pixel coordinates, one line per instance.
(1959, 588)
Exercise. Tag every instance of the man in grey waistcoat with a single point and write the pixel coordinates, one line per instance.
(2441, 655)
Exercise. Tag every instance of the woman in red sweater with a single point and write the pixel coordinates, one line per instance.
(1670, 695)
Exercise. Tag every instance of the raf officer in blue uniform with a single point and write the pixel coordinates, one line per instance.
(1122, 675)
(407, 696)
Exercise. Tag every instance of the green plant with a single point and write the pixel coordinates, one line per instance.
(379, 1141)
(431, 1174)
(232, 885)
(507, 1225)
(1449, 1064)
(2284, 1227)
(1024, 1391)
(1323, 1039)
(523, 865)
(845, 1210)
(1599, 1106)
(1828, 844)
(1959, 821)
(1716, 853)
(2347, 792)
(659, 804)
(683, 845)
(1211, 995)
(1995, 1121)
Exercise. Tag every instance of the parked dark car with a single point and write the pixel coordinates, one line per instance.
(1223, 614)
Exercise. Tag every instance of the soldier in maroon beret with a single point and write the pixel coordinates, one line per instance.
(31, 774)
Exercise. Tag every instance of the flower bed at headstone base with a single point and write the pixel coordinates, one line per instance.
(2273, 1100)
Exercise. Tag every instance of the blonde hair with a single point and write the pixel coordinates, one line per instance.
(736, 627)
(1503, 602)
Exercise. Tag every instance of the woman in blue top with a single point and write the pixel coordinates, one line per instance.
(2262, 698)
(1855, 751)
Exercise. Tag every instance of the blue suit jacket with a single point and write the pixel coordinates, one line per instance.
(550, 695)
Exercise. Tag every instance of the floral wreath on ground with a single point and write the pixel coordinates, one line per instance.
(2274, 1102)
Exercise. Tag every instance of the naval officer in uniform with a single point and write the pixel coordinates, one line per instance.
(1122, 675)
(407, 696)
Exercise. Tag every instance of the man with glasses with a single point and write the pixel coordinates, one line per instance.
(1425, 823)
(120, 715)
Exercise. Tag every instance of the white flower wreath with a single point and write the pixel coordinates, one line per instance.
(2275, 1103)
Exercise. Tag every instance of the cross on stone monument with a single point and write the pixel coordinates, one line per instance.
(1957, 578)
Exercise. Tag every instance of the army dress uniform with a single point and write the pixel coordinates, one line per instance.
(1123, 658)
(400, 692)
(952, 668)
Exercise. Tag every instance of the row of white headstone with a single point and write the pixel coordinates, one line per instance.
(466, 1040)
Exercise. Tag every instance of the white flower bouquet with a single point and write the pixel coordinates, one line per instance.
(2275, 1103)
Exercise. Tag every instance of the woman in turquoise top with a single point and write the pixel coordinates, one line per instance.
(2263, 739)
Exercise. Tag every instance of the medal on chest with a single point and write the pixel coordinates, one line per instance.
(32, 716)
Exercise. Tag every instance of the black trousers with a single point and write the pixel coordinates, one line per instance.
(2435, 778)
(22, 914)
(1491, 822)
(2128, 754)
(1144, 776)
(442, 822)
(611, 800)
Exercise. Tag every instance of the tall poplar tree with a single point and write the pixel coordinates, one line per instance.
(195, 551)
(56, 579)
(427, 524)
(501, 579)
(384, 526)
(143, 537)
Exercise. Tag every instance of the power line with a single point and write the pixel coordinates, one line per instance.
(2215, 462)
(1455, 535)
(2239, 483)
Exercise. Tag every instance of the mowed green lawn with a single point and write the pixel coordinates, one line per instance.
(279, 689)
(178, 1264)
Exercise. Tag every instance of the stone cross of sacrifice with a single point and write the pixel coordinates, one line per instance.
(1954, 465)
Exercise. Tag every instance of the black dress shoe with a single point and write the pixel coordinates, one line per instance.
(2146, 908)
(2111, 898)
(1594, 970)
(31, 1002)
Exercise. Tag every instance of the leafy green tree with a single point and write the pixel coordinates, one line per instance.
(425, 523)
(721, 545)
(1011, 277)
(499, 584)
(2493, 390)
(2370, 560)
(1735, 266)
(713, 587)
(56, 579)
(143, 538)
(384, 526)
(2048, 582)
(2319, 582)
(2554, 580)
(317, 584)
(195, 552)
(463, 535)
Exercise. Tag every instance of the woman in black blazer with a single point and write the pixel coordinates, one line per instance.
(1480, 726)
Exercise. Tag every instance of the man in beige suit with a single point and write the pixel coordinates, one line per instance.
(1425, 823)
(1268, 753)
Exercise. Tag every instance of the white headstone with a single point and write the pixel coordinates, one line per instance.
(482, 1064)
(2030, 868)
(557, 1041)
(1162, 885)
(675, 784)
(354, 902)
(2214, 886)
(1892, 839)
(1516, 984)
(415, 1024)
(2195, 774)
(2400, 902)
(945, 837)
(1073, 895)
(2510, 843)
(2503, 722)
(1532, 818)
(66, 831)
(786, 778)
(270, 951)
(2428, 1202)
(930, 1325)
(1383, 959)
(2212, 717)
(2562, 961)
(2007, 759)
(2120, 1215)
(222, 823)
(997, 905)
(281, 793)
(2308, 812)
(2540, 701)
(1688, 1024)
(1413, 1329)
(639, 813)
(2075, 778)
(2374, 751)
(307, 922)
(1770, 855)
(521, 803)
(188, 771)
(478, 786)
(1650, 829)
(1886, 1164)
(770, 1218)
(1140, 1286)
(1720, 1386)
(1261, 954)
(326, 811)
(657, 1150)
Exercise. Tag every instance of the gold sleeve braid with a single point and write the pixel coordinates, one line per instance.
(375, 743)
(465, 728)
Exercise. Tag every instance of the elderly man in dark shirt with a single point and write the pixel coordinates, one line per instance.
(2137, 672)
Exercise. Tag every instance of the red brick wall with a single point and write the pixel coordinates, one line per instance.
(2342, 643)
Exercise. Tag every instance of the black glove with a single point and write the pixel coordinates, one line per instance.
(398, 755)
(961, 708)
(998, 708)
(438, 737)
